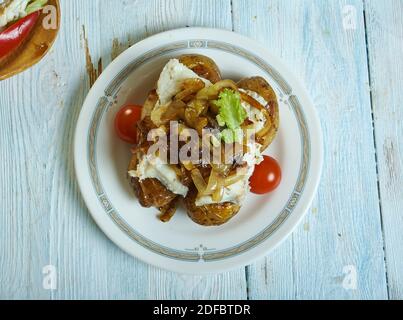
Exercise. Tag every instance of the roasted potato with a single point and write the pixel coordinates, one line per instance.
(150, 192)
(203, 66)
(263, 88)
(209, 215)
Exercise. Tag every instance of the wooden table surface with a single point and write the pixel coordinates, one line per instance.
(350, 56)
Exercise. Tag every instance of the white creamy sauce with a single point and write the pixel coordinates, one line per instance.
(13, 11)
(155, 168)
(254, 155)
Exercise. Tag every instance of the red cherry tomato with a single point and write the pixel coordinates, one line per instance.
(266, 177)
(125, 123)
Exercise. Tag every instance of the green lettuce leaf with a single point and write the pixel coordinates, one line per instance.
(231, 111)
(231, 115)
(232, 136)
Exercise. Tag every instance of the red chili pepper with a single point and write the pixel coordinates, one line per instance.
(14, 36)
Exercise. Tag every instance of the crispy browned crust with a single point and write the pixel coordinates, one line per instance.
(209, 215)
(263, 88)
(203, 66)
(152, 193)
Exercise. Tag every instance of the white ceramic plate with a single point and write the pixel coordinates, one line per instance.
(101, 159)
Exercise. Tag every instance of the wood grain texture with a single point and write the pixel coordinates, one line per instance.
(385, 45)
(343, 228)
(24, 216)
(148, 18)
(44, 219)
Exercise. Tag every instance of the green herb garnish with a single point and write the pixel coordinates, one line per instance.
(231, 115)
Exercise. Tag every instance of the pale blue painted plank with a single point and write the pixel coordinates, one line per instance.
(344, 227)
(23, 173)
(62, 233)
(147, 18)
(77, 248)
(45, 220)
(385, 45)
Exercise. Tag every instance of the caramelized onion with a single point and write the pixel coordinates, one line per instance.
(189, 88)
(198, 180)
(218, 194)
(212, 93)
(255, 104)
(169, 210)
(193, 120)
(174, 111)
(213, 183)
(199, 106)
(232, 180)
(221, 168)
(157, 114)
(188, 165)
(252, 101)
(240, 175)
(200, 125)
(191, 117)
(177, 170)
